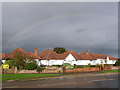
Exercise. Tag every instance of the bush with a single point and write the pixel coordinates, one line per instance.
(94, 66)
(40, 69)
(70, 67)
(78, 66)
(30, 66)
(117, 63)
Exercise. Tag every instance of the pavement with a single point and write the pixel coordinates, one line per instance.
(71, 80)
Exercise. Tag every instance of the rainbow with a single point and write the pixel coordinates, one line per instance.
(49, 19)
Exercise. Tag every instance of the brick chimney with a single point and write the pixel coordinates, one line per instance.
(87, 52)
(36, 51)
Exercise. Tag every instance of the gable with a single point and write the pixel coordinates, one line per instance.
(70, 57)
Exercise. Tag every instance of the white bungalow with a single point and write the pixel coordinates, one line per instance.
(49, 57)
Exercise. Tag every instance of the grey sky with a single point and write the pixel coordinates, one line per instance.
(75, 26)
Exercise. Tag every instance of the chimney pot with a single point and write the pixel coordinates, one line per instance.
(36, 51)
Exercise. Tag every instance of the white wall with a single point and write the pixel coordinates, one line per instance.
(70, 59)
(3, 61)
(56, 62)
(44, 62)
(51, 62)
(37, 61)
(82, 62)
(110, 61)
(98, 61)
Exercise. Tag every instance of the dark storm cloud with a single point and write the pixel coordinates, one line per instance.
(75, 26)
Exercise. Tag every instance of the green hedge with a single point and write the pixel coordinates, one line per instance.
(117, 63)
(40, 69)
(30, 66)
(95, 66)
(78, 66)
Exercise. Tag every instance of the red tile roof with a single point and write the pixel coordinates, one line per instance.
(99, 56)
(48, 54)
(18, 51)
(86, 56)
(3, 56)
(112, 58)
(32, 55)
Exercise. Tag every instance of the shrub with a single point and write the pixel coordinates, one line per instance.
(30, 66)
(78, 66)
(117, 63)
(70, 67)
(40, 69)
(94, 66)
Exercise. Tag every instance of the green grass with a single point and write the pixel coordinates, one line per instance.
(6, 77)
(111, 71)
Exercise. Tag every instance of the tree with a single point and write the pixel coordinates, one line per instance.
(20, 59)
(117, 63)
(59, 50)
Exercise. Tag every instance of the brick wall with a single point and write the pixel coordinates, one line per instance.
(83, 69)
(10, 71)
(27, 71)
(34, 71)
(115, 68)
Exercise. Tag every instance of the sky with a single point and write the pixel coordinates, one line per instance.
(78, 26)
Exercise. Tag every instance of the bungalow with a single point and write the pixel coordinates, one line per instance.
(20, 52)
(49, 57)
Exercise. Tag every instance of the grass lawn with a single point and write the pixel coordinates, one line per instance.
(111, 71)
(6, 77)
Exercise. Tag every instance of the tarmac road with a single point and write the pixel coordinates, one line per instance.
(78, 80)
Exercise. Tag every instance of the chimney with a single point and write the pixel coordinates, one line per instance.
(80, 52)
(87, 52)
(36, 51)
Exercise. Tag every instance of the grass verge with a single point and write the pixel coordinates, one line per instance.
(111, 71)
(6, 77)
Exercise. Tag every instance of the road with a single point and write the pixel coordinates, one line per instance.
(87, 80)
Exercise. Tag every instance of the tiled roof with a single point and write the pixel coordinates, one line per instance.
(86, 56)
(99, 56)
(112, 58)
(62, 56)
(65, 54)
(32, 55)
(17, 51)
(3, 56)
(48, 54)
